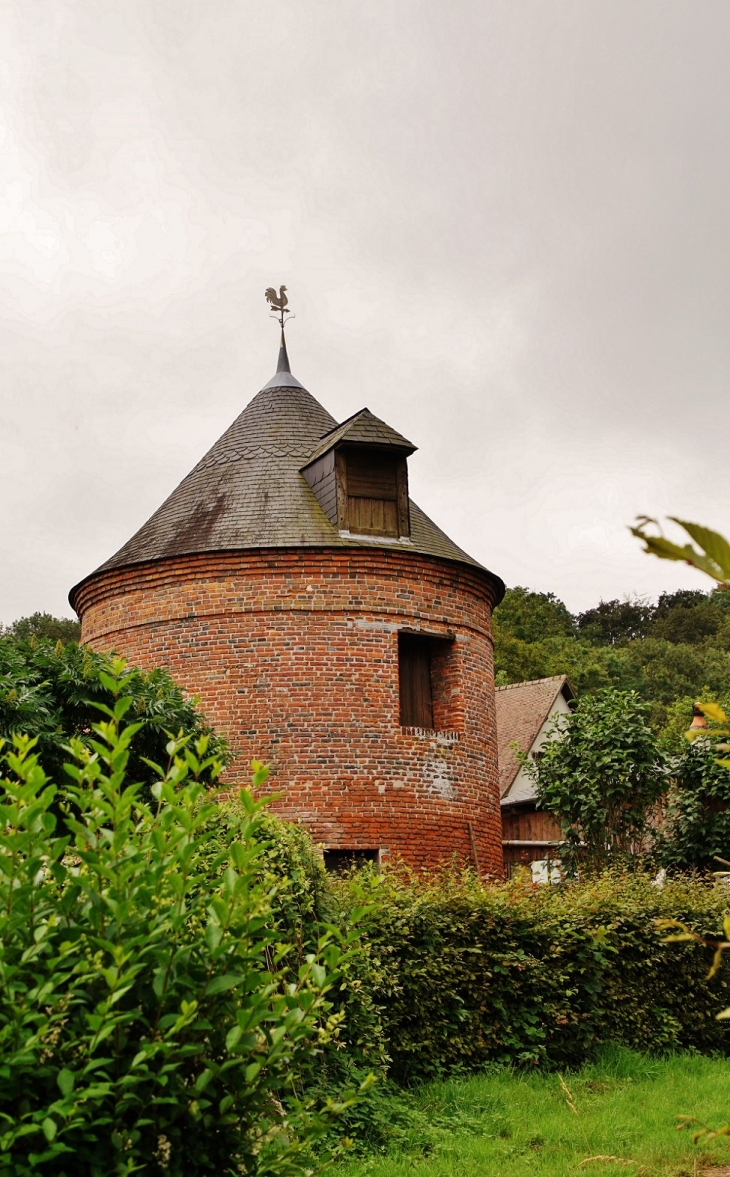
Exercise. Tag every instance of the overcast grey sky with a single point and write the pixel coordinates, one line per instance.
(504, 226)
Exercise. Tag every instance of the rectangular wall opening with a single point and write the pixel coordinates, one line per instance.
(337, 860)
(429, 676)
(414, 680)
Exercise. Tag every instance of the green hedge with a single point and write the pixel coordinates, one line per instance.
(468, 974)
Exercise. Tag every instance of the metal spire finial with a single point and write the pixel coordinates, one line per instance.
(279, 304)
(283, 364)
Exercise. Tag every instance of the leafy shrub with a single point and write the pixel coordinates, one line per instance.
(475, 973)
(601, 773)
(696, 826)
(471, 974)
(150, 1016)
(49, 691)
(303, 903)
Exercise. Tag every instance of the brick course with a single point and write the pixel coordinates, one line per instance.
(294, 654)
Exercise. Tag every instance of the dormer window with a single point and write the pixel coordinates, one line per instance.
(359, 476)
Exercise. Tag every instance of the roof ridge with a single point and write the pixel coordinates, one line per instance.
(362, 428)
(531, 682)
(339, 425)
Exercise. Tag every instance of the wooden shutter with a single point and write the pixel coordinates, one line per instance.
(414, 668)
(372, 516)
(372, 493)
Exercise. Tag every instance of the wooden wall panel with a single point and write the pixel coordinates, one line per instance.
(372, 516)
(321, 478)
(371, 475)
(531, 825)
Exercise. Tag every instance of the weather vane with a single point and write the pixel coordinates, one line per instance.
(279, 304)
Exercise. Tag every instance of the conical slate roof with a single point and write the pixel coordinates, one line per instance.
(248, 492)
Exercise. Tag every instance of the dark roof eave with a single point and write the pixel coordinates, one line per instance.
(345, 443)
(390, 439)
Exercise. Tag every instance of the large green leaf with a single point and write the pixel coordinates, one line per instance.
(713, 558)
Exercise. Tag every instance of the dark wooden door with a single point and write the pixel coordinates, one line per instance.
(414, 666)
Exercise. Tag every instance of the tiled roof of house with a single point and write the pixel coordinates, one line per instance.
(522, 709)
(363, 428)
(248, 492)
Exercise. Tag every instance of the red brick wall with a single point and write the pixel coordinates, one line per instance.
(294, 655)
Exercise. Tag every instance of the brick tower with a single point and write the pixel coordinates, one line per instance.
(328, 626)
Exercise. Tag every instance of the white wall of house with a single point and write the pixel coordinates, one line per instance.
(522, 788)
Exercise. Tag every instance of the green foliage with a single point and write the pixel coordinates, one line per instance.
(678, 647)
(695, 830)
(588, 668)
(662, 672)
(44, 625)
(690, 616)
(712, 554)
(474, 973)
(672, 739)
(150, 1015)
(49, 691)
(614, 623)
(696, 826)
(530, 616)
(303, 903)
(686, 617)
(601, 773)
(655, 996)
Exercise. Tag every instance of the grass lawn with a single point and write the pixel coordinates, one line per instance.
(511, 1125)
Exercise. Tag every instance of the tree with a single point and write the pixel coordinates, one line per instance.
(678, 647)
(689, 616)
(663, 672)
(535, 636)
(44, 625)
(614, 623)
(685, 617)
(531, 617)
(52, 691)
(600, 772)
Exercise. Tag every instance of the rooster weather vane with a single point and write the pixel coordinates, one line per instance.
(279, 304)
